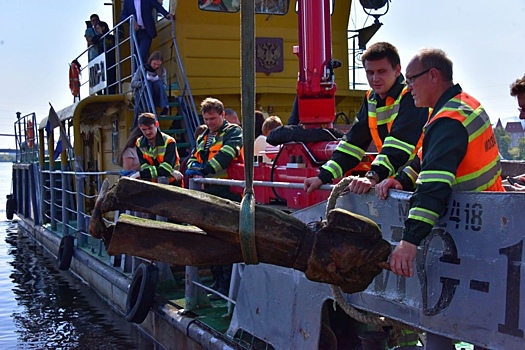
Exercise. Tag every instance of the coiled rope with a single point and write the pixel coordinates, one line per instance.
(368, 318)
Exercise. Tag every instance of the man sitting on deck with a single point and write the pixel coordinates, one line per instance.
(157, 152)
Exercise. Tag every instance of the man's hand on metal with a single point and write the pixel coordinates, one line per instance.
(383, 187)
(177, 175)
(194, 173)
(197, 166)
(402, 259)
(361, 185)
(312, 183)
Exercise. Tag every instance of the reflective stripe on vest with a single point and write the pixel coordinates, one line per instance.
(213, 150)
(385, 115)
(150, 154)
(480, 169)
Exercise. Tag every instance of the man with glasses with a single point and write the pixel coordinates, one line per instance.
(459, 153)
(388, 118)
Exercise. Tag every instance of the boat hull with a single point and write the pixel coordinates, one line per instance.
(467, 284)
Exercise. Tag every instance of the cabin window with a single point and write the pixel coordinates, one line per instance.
(274, 7)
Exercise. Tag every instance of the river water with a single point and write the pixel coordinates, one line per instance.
(42, 307)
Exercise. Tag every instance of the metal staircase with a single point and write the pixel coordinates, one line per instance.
(187, 119)
(183, 118)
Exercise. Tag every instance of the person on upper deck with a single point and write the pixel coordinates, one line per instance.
(459, 153)
(89, 34)
(106, 46)
(157, 152)
(219, 146)
(145, 29)
(388, 118)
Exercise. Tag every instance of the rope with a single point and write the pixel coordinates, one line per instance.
(368, 318)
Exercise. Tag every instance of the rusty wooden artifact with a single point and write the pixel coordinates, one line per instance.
(345, 250)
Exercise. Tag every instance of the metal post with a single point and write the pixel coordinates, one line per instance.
(52, 199)
(353, 62)
(165, 273)
(193, 295)
(81, 223)
(42, 181)
(65, 213)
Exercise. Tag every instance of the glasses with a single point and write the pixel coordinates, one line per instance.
(410, 80)
(520, 109)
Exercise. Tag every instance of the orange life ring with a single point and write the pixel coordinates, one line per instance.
(30, 134)
(74, 78)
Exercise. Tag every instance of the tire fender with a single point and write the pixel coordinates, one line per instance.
(65, 252)
(10, 207)
(141, 293)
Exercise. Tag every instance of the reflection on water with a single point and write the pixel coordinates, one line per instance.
(42, 307)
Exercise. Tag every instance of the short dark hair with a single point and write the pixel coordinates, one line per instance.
(210, 104)
(147, 119)
(230, 111)
(517, 87)
(436, 58)
(94, 15)
(381, 50)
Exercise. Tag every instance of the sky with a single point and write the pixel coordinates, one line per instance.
(485, 40)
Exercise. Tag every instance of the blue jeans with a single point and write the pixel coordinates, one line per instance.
(160, 97)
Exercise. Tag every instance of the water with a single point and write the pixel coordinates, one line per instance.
(42, 307)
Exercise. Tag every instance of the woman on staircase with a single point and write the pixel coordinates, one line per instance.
(155, 75)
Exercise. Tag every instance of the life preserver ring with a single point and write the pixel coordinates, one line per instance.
(10, 207)
(74, 78)
(30, 134)
(65, 252)
(141, 293)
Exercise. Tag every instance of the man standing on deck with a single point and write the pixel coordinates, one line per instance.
(388, 118)
(459, 153)
(219, 146)
(145, 29)
(157, 152)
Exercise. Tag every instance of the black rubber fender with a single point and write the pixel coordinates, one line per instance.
(141, 293)
(10, 207)
(65, 252)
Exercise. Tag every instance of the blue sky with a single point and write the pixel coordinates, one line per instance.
(484, 39)
(38, 38)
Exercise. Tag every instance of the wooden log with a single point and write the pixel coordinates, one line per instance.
(217, 216)
(345, 250)
(171, 243)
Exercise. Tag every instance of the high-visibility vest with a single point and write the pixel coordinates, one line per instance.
(154, 156)
(480, 169)
(385, 115)
(216, 146)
